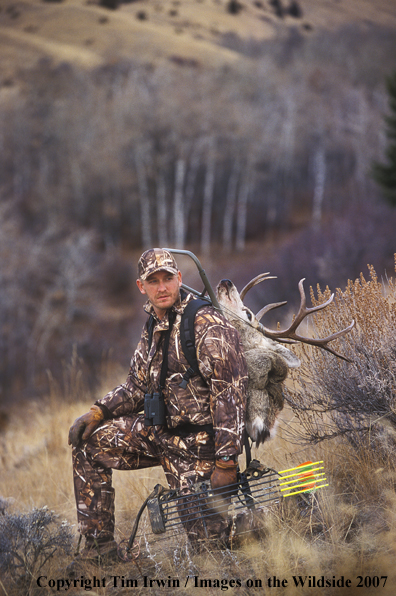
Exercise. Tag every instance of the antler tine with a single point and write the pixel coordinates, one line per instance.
(267, 308)
(253, 282)
(290, 332)
(322, 343)
(304, 310)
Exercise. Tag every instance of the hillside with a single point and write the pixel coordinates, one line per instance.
(244, 131)
(87, 35)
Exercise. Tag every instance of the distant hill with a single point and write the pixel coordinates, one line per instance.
(88, 35)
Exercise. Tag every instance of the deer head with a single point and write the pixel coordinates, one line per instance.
(248, 325)
(231, 302)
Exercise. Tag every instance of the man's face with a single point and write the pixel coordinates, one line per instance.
(162, 290)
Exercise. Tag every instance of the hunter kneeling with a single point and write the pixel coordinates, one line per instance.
(163, 415)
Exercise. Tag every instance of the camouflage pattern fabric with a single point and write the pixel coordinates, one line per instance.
(123, 442)
(156, 259)
(218, 396)
(127, 444)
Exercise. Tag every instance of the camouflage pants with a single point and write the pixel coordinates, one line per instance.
(127, 444)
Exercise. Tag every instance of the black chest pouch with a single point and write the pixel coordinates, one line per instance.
(154, 409)
(154, 403)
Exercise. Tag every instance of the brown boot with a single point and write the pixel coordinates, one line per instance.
(99, 552)
(94, 553)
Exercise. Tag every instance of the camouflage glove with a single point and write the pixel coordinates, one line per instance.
(224, 475)
(83, 427)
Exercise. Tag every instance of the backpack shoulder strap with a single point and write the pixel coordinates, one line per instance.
(187, 338)
(150, 331)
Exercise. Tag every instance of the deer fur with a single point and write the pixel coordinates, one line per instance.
(267, 361)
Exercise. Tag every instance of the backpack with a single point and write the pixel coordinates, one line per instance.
(187, 337)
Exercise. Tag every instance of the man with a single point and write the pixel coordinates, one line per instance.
(200, 433)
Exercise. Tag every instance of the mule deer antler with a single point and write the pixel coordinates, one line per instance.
(291, 332)
(253, 282)
(267, 360)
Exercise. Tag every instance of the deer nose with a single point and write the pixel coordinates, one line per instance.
(227, 283)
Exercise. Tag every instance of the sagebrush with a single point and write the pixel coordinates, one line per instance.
(28, 541)
(355, 400)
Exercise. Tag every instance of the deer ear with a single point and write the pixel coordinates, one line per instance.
(291, 359)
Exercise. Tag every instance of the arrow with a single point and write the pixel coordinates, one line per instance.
(308, 477)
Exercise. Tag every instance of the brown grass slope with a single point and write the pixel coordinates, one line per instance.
(87, 35)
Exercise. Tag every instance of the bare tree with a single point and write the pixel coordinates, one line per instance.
(162, 224)
(208, 196)
(230, 202)
(144, 197)
(319, 172)
(76, 176)
(192, 173)
(242, 207)
(178, 205)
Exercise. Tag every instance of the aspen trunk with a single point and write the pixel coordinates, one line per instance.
(208, 199)
(161, 210)
(144, 199)
(319, 170)
(191, 178)
(178, 206)
(77, 186)
(229, 212)
(243, 197)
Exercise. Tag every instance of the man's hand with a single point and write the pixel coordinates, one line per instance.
(225, 475)
(83, 427)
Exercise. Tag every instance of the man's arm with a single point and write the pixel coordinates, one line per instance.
(124, 400)
(222, 363)
(128, 398)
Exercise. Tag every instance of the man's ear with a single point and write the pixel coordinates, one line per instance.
(179, 277)
(140, 286)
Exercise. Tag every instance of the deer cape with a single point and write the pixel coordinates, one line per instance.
(267, 369)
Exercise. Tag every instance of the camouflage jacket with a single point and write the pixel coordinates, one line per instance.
(217, 397)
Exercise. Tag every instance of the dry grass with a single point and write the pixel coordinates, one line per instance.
(350, 530)
(86, 34)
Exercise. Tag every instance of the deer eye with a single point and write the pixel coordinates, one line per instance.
(249, 315)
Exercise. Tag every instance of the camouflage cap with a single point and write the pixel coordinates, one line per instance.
(156, 259)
